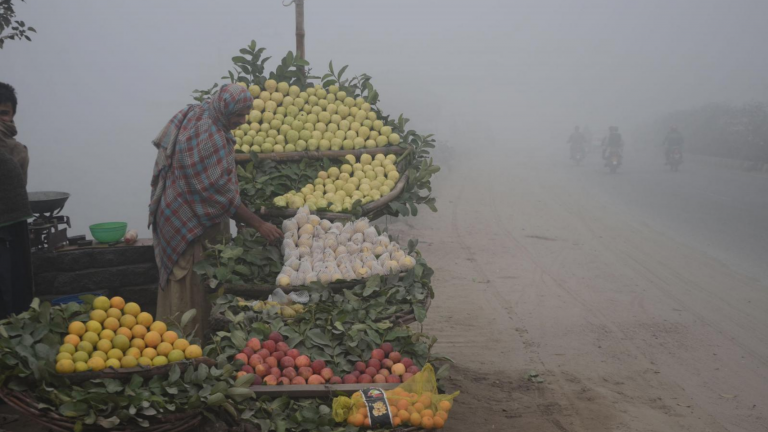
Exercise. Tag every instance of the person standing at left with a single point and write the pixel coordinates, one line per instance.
(16, 283)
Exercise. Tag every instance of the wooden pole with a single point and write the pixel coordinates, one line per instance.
(300, 29)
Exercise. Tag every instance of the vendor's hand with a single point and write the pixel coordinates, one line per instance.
(269, 232)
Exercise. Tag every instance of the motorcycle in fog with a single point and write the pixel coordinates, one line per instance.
(675, 158)
(613, 160)
(578, 153)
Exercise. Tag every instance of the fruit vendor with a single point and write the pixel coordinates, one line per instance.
(16, 284)
(195, 194)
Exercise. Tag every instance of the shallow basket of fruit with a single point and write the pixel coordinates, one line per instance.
(27, 404)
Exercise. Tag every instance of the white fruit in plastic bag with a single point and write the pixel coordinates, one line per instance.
(392, 267)
(318, 246)
(329, 255)
(338, 227)
(297, 279)
(294, 253)
(305, 240)
(283, 280)
(341, 250)
(384, 259)
(302, 218)
(304, 251)
(330, 243)
(370, 235)
(344, 238)
(312, 277)
(343, 259)
(293, 264)
(382, 241)
(397, 256)
(336, 276)
(376, 269)
(369, 265)
(292, 236)
(379, 250)
(366, 248)
(307, 229)
(324, 278)
(326, 225)
(349, 228)
(314, 220)
(287, 244)
(290, 225)
(319, 232)
(406, 263)
(358, 239)
(352, 248)
(361, 225)
(363, 272)
(357, 265)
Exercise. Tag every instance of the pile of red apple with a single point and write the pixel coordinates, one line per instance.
(384, 366)
(274, 362)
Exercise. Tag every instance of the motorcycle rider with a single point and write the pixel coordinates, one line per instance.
(673, 140)
(612, 143)
(577, 140)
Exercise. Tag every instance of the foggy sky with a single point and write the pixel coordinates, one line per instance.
(100, 79)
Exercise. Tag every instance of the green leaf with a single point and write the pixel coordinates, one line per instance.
(188, 315)
(74, 409)
(318, 337)
(245, 380)
(240, 394)
(174, 374)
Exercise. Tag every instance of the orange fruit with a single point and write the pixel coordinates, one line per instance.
(144, 319)
(117, 302)
(159, 327)
(132, 309)
(181, 344)
(441, 415)
(402, 404)
(133, 352)
(363, 412)
(107, 334)
(111, 323)
(393, 410)
(138, 343)
(411, 410)
(114, 313)
(426, 400)
(427, 413)
(152, 339)
(396, 421)
(164, 348)
(125, 332)
(98, 315)
(415, 419)
(139, 331)
(404, 415)
(427, 423)
(77, 328)
(367, 422)
(72, 339)
(193, 352)
(356, 420)
(170, 337)
(445, 406)
(149, 353)
(438, 422)
(128, 321)
(418, 407)
(101, 303)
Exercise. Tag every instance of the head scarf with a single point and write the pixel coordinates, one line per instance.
(194, 181)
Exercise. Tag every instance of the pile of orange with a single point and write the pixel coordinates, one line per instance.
(119, 335)
(425, 411)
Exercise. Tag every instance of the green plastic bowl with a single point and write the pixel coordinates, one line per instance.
(108, 232)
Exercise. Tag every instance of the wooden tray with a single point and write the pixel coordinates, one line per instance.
(243, 158)
(127, 374)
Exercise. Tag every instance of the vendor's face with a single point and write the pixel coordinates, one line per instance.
(6, 112)
(238, 119)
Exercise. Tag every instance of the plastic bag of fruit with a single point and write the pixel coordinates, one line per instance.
(416, 403)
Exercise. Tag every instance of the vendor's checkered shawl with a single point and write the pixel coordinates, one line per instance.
(194, 182)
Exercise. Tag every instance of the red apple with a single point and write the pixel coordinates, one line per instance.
(406, 362)
(287, 362)
(255, 360)
(248, 351)
(270, 380)
(242, 357)
(269, 346)
(299, 381)
(277, 373)
(387, 364)
(261, 370)
(377, 354)
(283, 381)
(253, 344)
(365, 379)
(275, 337)
(395, 357)
(305, 372)
(263, 353)
(335, 380)
(326, 373)
(405, 377)
(372, 372)
(384, 372)
(386, 347)
(290, 373)
(393, 379)
(317, 366)
(349, 379)
(271, 361)
(413, 370)
(241, 373)
(278, 355)
(360, 367)
(246, 369)
(356, 374)
(303, 361)
(257, 380)
(376, 364)
(283, 347)
(293, 353)
(379, 379)
(315, 380)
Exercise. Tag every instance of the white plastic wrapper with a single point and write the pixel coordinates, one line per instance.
(379, 250)
(314, 220)
(349, 228)
(305, 240)
(319, 232)
(370, 235)
(361, 225)
(330, 243)
(343, 259)
(329, 255)
(318, 246)
(406, 263)
(304, 251)
(357, 265)
(292, 236)
(352, 248)
(297, 279)
(363, 273)
(391, 267)
(397, 256)
(305, 267)
(311, 277)
(325, 225)
(369, 264)
(287, 245)
(384, 259)
(302, 216)
(382, 241)
(290, 225)
(325, 277)
(338, 226)
(341, 250)
(376, 269)
(347, 272)
(307, 229)
(299, 297)
(358, 239)
(287, 271)
(283, 280)
(293, 264)
(294, 253)
(344, 238)
(366, 248)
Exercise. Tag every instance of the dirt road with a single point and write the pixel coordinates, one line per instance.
(630, 328)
